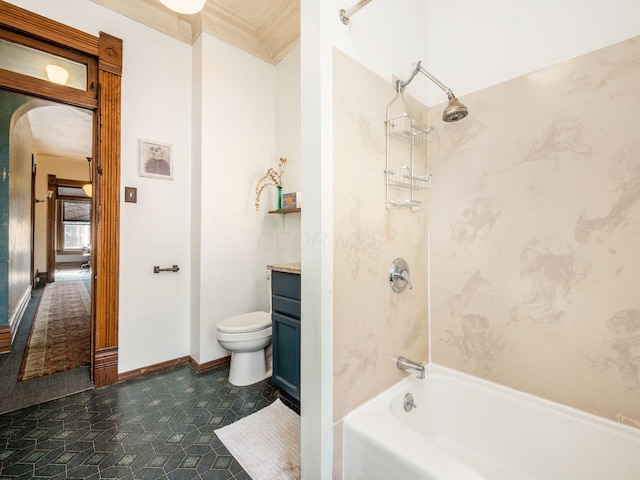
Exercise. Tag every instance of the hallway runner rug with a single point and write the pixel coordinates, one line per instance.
(266, 443)
(60, 337)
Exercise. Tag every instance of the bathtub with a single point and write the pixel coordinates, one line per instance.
(465, 428)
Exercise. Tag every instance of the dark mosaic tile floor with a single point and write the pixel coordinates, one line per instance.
(161, 426)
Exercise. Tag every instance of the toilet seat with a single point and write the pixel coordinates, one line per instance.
(245, 323)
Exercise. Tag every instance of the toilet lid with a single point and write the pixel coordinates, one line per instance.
(247, 322)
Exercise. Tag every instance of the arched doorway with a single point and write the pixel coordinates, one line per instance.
(102, 58)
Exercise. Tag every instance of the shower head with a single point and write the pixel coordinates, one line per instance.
(455, 110)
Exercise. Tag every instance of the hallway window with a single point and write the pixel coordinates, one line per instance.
(74, 226)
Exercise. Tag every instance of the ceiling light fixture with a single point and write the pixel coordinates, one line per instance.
(57, 74)
(184, 6)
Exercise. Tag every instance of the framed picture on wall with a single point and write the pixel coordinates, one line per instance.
(155, 159)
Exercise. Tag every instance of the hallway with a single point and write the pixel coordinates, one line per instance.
(14, 394)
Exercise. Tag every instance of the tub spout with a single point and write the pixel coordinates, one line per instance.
(410, 366)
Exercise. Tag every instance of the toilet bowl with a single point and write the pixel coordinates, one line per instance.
(247, 336)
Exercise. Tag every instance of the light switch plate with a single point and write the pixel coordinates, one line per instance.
(131, 194)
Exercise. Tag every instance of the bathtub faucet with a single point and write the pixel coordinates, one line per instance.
(410, 366)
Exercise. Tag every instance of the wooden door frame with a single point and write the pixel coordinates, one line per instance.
(106, 50)
(51, 228)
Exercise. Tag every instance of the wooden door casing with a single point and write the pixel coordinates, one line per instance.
(104, 98)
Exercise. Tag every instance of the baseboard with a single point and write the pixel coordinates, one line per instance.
(16, 318)
(5, 339)
(203, 367)
(158, 367)
(70, 265)
(105, 371)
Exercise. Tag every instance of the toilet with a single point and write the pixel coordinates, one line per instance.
(248, 337)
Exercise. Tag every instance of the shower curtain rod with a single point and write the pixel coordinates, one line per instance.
(346, 14)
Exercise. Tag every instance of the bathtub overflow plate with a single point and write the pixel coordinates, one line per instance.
(408, 403)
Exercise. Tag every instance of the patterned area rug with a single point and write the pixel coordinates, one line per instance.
(61, 332)
(266, 443)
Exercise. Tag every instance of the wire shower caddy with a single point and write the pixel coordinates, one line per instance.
(404, 128)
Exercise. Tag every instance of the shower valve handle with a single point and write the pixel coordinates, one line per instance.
(403, 275)
(399, 275)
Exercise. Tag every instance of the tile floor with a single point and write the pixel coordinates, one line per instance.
(160, 426)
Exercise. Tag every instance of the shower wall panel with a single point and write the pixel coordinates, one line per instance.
(372, 324)
(535, 227)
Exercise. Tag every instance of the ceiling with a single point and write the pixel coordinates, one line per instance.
(267, 29)
(62, 131)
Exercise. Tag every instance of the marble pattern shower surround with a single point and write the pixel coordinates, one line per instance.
(372, 324)
(535, 227)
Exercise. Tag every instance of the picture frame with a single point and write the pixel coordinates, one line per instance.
(155, 159)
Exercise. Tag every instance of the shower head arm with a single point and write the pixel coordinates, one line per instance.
(418, 68)
(442, 86)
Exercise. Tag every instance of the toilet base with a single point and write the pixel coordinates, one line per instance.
(248, 368)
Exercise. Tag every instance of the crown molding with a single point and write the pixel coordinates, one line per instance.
(268, 30)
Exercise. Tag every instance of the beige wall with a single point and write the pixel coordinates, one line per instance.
(535, 228)
(19, 278)
(372, 324)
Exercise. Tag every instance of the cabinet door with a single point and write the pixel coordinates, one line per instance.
(286, 354)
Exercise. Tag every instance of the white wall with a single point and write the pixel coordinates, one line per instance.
(316, 375)
(287, 237)
(472, 45)
(386, 37)
(238, 146)
(156, 105)
(196, 192)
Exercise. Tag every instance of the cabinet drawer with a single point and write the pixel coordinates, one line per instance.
(286, 306)
(285, 284)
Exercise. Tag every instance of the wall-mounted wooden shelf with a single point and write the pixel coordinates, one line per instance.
(286, 210)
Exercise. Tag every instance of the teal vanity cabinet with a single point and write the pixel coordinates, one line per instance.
(285, 290)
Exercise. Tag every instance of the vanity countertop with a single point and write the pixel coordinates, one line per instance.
(286, 267)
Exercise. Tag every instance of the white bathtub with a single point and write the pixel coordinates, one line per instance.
(466, 428)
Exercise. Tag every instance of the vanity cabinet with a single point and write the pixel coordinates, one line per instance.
(285, 290)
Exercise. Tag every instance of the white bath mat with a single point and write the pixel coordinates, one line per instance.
(266, 443)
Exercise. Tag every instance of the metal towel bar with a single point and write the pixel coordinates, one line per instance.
(157, 269)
